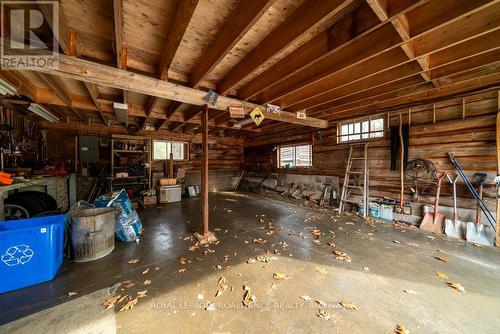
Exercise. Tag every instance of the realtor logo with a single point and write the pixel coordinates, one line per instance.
(30, 30)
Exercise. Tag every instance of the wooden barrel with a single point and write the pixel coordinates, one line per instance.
(92, 233)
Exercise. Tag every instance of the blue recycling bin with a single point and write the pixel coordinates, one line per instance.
(31, 251)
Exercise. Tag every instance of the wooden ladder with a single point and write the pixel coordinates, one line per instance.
(354, 173)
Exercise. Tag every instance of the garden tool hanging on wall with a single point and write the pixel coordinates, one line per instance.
(454, 228)
(477, 232)
(433, 222)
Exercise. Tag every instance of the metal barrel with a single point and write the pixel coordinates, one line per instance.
(92, 233)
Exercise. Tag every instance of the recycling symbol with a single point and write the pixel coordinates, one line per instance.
(16, 255)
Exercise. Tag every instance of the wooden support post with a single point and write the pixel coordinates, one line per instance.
(402, 165)
(204, 171)
(463, 108)
(497, 238)
(433, 113)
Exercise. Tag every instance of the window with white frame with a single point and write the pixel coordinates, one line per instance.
(163, 148)
(295, 156)
(361, 129)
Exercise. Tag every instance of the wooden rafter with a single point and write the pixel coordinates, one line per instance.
(346, 31)
(58, 87)
(183, 14)
(318, 11)
(402, 26)
(480, 21)
(188, 116)
(359, 79)
(119, 45)
(103, 75)
(237, 25)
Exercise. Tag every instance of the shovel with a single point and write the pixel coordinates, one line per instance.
(454, 228)
(433, 222)
(479, 233)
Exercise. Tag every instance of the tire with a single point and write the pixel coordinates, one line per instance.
(33, 202)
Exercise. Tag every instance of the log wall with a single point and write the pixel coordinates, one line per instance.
(470, 139)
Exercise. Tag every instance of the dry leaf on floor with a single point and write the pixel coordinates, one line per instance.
(348, 305)
(439, 258)
(305, 298)
(477, 245)
(321, 303)
(130, 304)
(157, 268)
(222, 280)
(109, 303)
(441, 251)
(147, 282)
(341, 256)
(141, 294)
(400, 329)
(324, 315)
(279, 276)
(410, 292)
(366, 269)
(180, 271)
(251, 260)
(259, 241)
(321, 270)
(133, 261)
(396, 242)
(441, 275)
(182, 260)
(218, 293)
(456, 286)
(145, 271)
(122, 299)
(192, 248)
(72, 293)
(411, 244)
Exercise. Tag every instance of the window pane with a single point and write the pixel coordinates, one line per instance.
(178, 151)
(344, 130)
(365, 128)
(159, 150)
(303, 156)
(287, 155)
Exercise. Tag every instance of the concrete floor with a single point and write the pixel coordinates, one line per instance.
(386, 261)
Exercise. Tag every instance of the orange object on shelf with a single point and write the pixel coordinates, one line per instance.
(5, 181)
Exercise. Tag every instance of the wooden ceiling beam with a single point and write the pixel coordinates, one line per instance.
(410, 95)
(310, 81)
(171, 110)
(294, 27)
(183, 15)
(189, 114)
(59, 88)
(402, 26)
(242, 18)
(401, 86)
(346, 31)
(476, 56)
(103, 75)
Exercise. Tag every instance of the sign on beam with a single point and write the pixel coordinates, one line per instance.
(257, 116)
(236, 112)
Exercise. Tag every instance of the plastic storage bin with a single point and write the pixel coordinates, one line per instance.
(31, 251)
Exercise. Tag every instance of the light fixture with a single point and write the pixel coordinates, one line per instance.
(244, 121)
(43, 113)
(7, 89)
(121, 112)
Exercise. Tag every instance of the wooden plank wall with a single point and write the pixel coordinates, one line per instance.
(472, 140)
(225, 154)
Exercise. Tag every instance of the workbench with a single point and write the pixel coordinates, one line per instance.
(53, 186)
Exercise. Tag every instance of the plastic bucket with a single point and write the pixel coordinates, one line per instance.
(386, 212)
(31, 251)
(92, 233)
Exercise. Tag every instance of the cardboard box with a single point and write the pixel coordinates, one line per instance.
(149, 200)
(168, 182)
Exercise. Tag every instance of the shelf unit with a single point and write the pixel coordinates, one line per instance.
(126, 151)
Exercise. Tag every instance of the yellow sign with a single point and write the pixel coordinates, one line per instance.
(257, 116)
